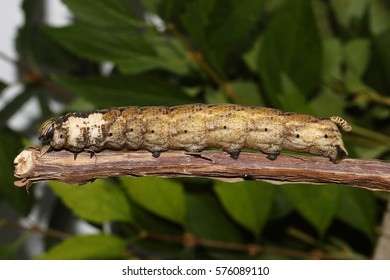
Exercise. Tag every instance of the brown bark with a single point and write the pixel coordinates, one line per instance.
(31, 167)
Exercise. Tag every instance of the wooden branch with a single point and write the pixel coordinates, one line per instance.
(31, 167)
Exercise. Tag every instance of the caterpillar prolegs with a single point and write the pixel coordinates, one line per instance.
(195, 127)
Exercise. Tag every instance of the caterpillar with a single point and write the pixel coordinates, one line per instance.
(193, 128)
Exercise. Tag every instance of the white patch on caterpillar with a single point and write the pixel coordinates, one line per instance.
(82, 129)
(95, 122)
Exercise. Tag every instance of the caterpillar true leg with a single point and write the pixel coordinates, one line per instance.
(75, 154)
(235, 154)
(91, 152)
(273, 156)
(156, 154)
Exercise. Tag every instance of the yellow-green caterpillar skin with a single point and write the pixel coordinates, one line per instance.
(196, 127)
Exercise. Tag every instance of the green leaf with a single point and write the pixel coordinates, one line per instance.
(9, 251)
(248, 203)
(162, 197)
(382, 69)
(317, 204)
(125, 90)
(250, 57)
(152, 5)
(2, 86)
(225, 16)
(213, 96)
(196, 23)
(357, 55)
(87, 247)
(10, 147)
(53, 57)
(327, 96)
(291, 46)
(170, 55)
(357, 208)
(79, 105)
(348, 11)
(147, 220)
(291, 98)
(208, 28)
(37, 51)
(206, 219)
(99, 202)
(246, 93)
(120, 46)
(379, 17)
(131, 51)
(13, 106)
(372, 151)
(333, 58)
(104, 12)
(33, 12)
(281, 207)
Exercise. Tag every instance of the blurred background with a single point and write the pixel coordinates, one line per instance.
(319, 57)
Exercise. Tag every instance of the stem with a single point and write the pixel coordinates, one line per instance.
(34, 76)
(189, 240)
(378, 137)
(35, 229)
(32, 166)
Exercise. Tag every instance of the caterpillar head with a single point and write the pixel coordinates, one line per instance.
(51, 133)
(46, 132)
(319, 137)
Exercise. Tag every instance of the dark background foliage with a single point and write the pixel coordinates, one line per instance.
(311, 56)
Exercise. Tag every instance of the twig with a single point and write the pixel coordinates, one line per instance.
(34, 76)
(31, 167)
(362, 95)
(251, 249)
(189, 241)
(36, 229)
